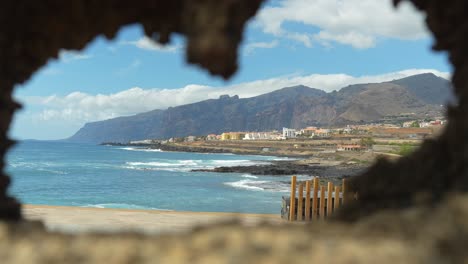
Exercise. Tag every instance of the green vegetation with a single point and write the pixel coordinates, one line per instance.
(414, 144)
(406, 149)
(359, 161)
(339, 157)
(415, 124)
(367, 142)
(179, 140)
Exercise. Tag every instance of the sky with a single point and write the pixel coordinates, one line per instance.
(324, 44)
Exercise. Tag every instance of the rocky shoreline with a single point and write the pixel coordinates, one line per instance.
(281, 168)
(198, 149)
(304, 165)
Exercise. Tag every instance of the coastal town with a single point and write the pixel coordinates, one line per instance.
(330, 154)
(380, 137)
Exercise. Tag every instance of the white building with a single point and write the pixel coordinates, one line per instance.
(322, 133)
(212, 137)
(424, 124)
(408, 124)
(347, 130)
(309, 131)
(289, 133)
(252, 136)
(261, 136)
(190, 139)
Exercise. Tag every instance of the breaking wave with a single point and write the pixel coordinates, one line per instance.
(187, 165)
(47, 167)
(247, 185)
(122, 206)
(254, 185)
(141, 149)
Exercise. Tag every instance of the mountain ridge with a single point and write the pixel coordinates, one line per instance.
(296, 107)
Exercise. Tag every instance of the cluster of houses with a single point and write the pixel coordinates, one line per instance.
(424, 124)
(412, 129)
(273, 135)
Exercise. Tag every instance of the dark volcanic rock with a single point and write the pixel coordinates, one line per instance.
(291, 168)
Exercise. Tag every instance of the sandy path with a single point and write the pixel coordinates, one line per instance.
(79, 219)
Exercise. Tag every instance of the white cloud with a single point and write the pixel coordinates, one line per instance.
(354, 39)
(136, 63)
(81, 107)
(359, 23)
(149, 44)
(300, 37)
(250, 47)
(70, 55)
(51, 71)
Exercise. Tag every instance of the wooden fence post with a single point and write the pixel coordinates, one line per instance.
(300, 203)
(315, 199)
(292, 203)
(336, 203)
(307, 201)
(322, 202)
(330, 199)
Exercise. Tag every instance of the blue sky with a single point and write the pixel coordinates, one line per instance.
(328, 47)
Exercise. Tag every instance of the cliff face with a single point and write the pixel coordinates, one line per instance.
(295, 107)
(121, 129)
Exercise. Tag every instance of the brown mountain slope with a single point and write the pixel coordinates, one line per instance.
(295, 107)
(376, 101)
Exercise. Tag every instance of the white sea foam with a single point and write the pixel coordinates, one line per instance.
(153, 150)
(247, 185)
(141, 149)
(46, 167)
(123, 206)
(229, 161)
(140, 168)
(53, 171)
(151, 164)
(283, 158)
(238, 162)
(30, 165)
(274, 186)
(189, 162)
(255, 185)
(13, 164)
(167, 165)
(186, 165)
(249, 176)
(128, 148)
(157, 169)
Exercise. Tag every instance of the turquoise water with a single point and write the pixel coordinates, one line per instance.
(56, 173)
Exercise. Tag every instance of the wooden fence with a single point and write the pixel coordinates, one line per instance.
(319, 202)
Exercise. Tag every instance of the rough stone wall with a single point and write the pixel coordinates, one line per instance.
(31, 32)
(418, 235)
(403, 210)
(34, 31)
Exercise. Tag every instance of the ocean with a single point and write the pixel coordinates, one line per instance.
(87, 175)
